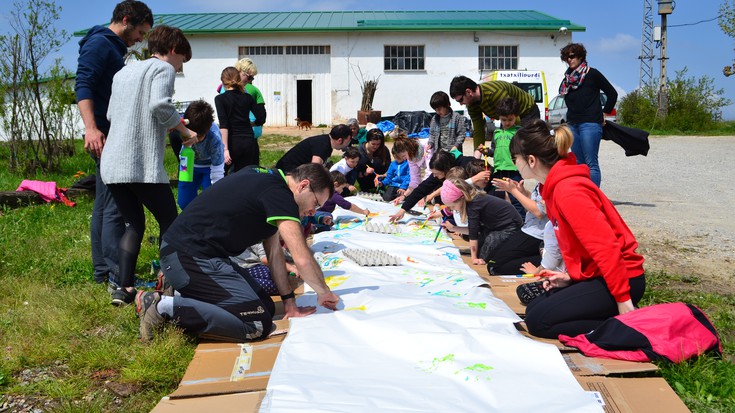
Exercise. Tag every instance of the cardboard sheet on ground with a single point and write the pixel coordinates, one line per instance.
(422, 336)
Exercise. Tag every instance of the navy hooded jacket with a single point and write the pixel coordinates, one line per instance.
(101, 55)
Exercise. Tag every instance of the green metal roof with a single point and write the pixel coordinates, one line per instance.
(327, 21)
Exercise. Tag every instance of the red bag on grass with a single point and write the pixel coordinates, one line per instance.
(673, 332)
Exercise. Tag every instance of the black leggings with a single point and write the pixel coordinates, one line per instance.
(130, 199)
(518, 249)
(244, 151)
(578, 308)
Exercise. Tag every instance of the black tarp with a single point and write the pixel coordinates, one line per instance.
(412, 122)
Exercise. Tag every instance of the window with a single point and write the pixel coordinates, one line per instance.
(498, 57)
(245, 51)
(403, 57)
(534, 89)
(307, 49)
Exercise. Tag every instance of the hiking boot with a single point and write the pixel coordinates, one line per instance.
(164, 287)
(121, 297)
(151, 320)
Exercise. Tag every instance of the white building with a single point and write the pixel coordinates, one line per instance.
(310, 63)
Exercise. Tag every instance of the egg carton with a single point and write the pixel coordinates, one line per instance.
(371, 196)
(371, 258)
(382, 228)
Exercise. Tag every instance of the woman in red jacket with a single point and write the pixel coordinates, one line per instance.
(604, 275)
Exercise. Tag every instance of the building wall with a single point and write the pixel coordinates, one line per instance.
(336, 80)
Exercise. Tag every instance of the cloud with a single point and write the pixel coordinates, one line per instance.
(621, 91)
(621, 43)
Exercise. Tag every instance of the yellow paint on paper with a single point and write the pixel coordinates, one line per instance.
(336, 280)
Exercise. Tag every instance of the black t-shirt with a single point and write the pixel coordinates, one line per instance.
(303, 151)
(233, 111)
(488, 213)
(239, 211)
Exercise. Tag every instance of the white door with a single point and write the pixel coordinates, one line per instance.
(285, 75)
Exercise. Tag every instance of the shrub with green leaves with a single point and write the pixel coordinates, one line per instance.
(694, 105)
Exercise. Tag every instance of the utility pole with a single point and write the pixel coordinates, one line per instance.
(646, 57)
(665, 7)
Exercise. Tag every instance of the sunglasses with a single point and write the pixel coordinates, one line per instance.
(571, 56)
(460, 99)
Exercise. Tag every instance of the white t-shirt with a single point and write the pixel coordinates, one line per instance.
(341, 166)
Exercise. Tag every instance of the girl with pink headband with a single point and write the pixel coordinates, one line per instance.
(491, 220)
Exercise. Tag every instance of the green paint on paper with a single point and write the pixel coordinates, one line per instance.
(478, 367)
(437, 362)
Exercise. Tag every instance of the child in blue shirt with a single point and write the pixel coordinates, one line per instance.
(209, 160)
(397, 177)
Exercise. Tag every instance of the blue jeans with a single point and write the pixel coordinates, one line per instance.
(586, 147)
(188, 190)
(105, 230)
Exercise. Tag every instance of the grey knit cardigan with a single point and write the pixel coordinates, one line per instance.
(140, 113)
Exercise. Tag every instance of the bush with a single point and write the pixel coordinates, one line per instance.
(638, 108)
(694, 105)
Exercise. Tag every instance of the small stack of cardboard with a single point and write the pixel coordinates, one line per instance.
(232, 377)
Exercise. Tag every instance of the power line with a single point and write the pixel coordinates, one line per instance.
(695, 23)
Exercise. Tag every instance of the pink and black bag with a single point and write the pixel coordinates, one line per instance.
(673, 332)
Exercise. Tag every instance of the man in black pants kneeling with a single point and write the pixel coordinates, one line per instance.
(218, 300)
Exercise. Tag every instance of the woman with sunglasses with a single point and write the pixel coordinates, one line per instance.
(581, 90)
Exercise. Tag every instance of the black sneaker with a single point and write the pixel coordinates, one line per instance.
(121, 297)
(151, 320)
(529, 291)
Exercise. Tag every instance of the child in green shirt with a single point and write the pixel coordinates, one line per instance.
(508, 109)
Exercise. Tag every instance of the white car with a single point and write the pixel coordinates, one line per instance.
(558, 110)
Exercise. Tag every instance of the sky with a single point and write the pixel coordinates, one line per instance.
(612, 36)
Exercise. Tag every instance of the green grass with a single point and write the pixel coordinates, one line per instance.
(706, 384)
(57, 327)
(725, 128)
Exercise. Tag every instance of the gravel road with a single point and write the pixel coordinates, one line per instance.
(679, 202)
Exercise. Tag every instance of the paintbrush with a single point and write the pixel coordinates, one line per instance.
(422, 226)
(440, 229)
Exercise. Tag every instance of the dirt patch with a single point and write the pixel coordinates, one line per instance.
(689, 258)
(295, 131)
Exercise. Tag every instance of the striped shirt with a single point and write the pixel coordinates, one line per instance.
(493, 92)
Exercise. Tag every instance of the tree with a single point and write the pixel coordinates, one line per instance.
(36, 104)
(726, 20)
(694, 105)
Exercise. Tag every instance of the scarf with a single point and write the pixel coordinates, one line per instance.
(574, 79)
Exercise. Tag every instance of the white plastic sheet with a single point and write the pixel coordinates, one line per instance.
(421, 337)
